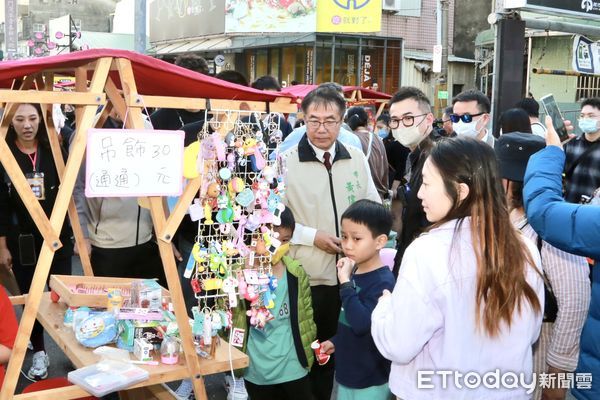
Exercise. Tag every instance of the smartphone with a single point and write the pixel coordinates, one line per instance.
(557, 121)
(27, 253)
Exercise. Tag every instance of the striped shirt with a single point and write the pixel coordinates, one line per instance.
(558, 344)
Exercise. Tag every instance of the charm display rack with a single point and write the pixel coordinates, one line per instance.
(239, 203)
(106, 78)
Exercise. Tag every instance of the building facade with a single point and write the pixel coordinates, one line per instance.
(409, 29)
(34, 18)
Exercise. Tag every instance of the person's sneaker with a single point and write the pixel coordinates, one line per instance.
(185, 391)
(39, 366)
(236, 389)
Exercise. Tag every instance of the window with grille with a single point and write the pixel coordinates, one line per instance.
(39, 28)
(587, 86)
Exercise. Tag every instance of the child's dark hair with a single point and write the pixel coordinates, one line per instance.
(287, 220)
(373, 215)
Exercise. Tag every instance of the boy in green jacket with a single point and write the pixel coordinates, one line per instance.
(280, 354)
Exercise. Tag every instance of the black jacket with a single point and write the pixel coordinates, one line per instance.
(14, 217)
(413, 216)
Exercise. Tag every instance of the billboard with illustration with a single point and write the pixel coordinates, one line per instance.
(349, 16)
(270, 16)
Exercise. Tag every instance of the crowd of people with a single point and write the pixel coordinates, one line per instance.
(490, 271)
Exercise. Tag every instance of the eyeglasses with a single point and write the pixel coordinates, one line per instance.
(466, 118)
(407, 121)
(328, 125)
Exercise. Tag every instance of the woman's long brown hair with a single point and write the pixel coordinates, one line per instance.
(502, 257)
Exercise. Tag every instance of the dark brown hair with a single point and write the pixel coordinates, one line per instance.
(41, 134)
(502, 257)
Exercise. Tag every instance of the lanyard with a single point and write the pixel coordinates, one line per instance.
(33, 158)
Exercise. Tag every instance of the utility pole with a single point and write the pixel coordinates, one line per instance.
(509, 47)
(441, 87)
(140, 26)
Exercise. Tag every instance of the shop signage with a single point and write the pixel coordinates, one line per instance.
(178, 19)
(10, 29)
(366, 68)
(219, 60)
(437, 58)
(588, 9)
(349, 16)
(586, 55)
(308, 76)
(252, 68)
(133, 163)
(351, 70)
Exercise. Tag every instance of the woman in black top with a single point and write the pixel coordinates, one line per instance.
(20, 240)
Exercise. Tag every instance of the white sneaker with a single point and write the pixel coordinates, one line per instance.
(236, 389)
(185, 391)
(39, 366)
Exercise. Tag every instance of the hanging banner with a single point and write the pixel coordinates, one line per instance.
(349, 16)
(586, 55)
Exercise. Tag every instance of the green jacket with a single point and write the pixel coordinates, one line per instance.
(304, 329)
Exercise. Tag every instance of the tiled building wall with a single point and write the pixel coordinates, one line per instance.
(419, 33)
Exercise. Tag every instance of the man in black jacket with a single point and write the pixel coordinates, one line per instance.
(411, 122)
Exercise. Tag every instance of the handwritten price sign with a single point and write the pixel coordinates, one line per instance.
(133, 163)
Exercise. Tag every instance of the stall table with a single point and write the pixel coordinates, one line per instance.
(51, 317)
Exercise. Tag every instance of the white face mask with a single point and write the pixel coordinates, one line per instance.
(466, 128)
(588, 125)
(408, 137)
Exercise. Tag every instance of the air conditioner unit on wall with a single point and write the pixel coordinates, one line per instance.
(391, 5)
(404, 8)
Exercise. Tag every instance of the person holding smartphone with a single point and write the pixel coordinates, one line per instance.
(582, 170)
(20, 239)
(573, 228)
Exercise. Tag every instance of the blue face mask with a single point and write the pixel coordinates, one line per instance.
(383, 133)
(588, 125)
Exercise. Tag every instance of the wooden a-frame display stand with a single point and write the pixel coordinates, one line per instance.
(88, 95)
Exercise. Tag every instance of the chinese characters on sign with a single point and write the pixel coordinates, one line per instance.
(10, 29)
(133, 163)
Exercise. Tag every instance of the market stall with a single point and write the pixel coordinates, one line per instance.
(126, 82)
(355, 96)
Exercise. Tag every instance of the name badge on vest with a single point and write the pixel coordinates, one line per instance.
(36, 182)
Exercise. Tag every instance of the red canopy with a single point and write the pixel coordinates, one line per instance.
(152, 76)
(300, 91)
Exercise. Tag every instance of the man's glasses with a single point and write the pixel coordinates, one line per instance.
(329, 125)
(466, 118)
(407, 121)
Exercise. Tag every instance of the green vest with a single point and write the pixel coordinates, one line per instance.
(303, 326)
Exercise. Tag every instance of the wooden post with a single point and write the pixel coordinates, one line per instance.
(135, 121)
(59, 162)
(56, 221)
